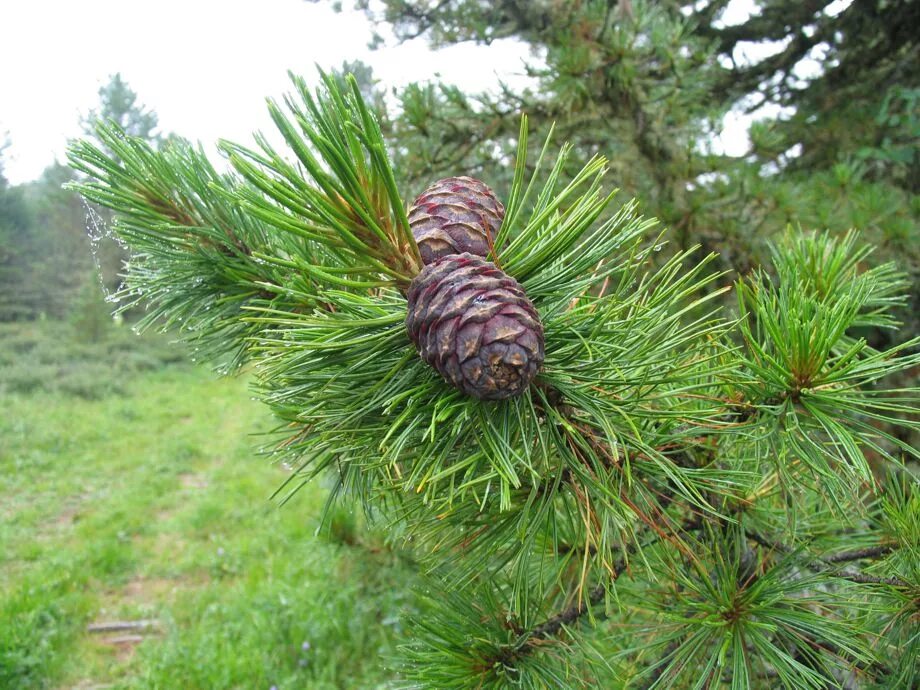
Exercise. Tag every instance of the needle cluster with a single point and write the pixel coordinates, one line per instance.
(684, 495)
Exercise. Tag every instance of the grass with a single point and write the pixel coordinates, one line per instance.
(131, 491)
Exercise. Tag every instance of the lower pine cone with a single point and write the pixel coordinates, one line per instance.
(475, 325)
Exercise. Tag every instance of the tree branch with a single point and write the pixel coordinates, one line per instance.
(873, 580)
(551, 626)
(859, 554)
(842, 557)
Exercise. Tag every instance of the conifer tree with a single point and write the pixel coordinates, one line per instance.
(648, 83)
(15, 247)
(118, 103)
(679, 496)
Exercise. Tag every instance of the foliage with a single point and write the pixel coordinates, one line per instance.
(55, 255)
(702, 480)
(649, 83)
(58, 261)
(13, 249)
(64, 359)
(118, 104)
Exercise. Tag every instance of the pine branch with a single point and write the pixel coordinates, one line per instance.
(820, 565)
(860, 554)
(349, 208)
(192, 262)
(874, 580)
(647, 421)
(661, 665)
(554, 624)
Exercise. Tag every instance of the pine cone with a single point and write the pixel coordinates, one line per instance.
(455, 215)
(474, 324)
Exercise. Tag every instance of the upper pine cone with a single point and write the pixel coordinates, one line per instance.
(474, 324)
(455, 215)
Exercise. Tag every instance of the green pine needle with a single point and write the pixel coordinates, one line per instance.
(654, 509)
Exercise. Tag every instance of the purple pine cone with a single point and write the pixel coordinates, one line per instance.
(455, 215)
(475, 325)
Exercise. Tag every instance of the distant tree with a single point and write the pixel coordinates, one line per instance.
(44, 252)
(849, 72)
(4, 145)
(364, 76)
(58, 222)
(17, 248)
(50, 262)
(118, 103)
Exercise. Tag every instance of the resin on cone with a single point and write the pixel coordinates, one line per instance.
(475, 325)
(453, 216)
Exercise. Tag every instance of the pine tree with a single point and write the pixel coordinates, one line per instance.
(16, 249)
(118, 103)
(648, 84)
(53, 252)
(681, 497)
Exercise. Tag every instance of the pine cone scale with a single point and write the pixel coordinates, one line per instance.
(453, 216)
(502, 329)
(475, 325)
(467, 343)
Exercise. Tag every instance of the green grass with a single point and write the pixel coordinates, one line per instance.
(138, 495)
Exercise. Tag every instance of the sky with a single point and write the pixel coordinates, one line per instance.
(206, 66)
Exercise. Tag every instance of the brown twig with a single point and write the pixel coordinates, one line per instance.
(121, 626)
(873, 580)
(859, 554)
(551, 626)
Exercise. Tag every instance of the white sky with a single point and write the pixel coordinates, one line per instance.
(206, 66)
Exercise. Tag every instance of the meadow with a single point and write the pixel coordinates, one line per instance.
(132, 492)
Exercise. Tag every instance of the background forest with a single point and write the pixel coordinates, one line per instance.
(832, 90)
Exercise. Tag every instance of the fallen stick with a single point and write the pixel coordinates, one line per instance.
(124, 639)
(121, 626)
